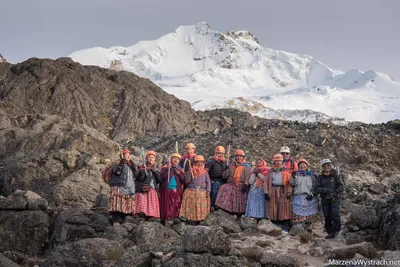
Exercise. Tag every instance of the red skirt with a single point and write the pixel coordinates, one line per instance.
(170, 204)
(119, 202)
(148, 203)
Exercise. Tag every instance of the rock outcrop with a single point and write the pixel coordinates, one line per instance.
(120, 105)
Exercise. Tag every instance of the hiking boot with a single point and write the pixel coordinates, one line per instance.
(330, 236)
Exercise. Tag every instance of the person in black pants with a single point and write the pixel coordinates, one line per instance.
(215, 167)
(330, 187)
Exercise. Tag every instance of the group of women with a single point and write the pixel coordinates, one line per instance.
(188, 188)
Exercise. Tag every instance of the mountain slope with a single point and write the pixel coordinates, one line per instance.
(118, 104)
(210, 69)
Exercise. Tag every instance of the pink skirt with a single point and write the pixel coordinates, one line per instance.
(148, 204)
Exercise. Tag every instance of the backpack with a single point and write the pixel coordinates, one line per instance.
(107, 174)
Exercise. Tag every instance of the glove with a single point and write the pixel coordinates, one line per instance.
(294, 175)
(256, 173)
(309, 197)
(226, 168)
(245, 188)
(266, 196)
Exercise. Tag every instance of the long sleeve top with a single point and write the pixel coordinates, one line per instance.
(186, 162)
(215, 169)
(202, 182)
(268, 186)
(303, 183)
(147, 177)
(290, 165)
(229, 174)
(253, 178)
(329, 186)
(175, 172)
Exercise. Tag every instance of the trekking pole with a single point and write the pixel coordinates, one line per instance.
(228, 155)
(143, 160)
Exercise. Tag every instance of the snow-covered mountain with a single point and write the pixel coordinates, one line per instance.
(211, 69)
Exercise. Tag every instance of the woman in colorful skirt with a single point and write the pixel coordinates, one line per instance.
(304, 204)
(232, 196)
(278, 193)
(147, 203)
(215, 167)
(196, 198)
(122, 194)
(172, 176)
(256, 203)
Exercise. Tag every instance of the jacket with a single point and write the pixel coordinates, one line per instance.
(122, 176)
(150, 177)
(119, 173)
(215, 169)
(303, 183)
(330, 187)
(290, 165)
(179, 178)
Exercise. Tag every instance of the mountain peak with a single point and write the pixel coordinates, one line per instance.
(209, 68)
(199, 28)
(243, 34)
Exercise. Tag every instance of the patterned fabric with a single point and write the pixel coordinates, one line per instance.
(231, 198)
(118, 202)
(279, 208)
(195, 205)
(215, 185)
(300, 219)
(256, 204)
(303, 208)
(148, 203)
(170, 204)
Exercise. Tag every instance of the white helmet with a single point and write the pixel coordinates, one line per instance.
(324, 161)
(284, 149)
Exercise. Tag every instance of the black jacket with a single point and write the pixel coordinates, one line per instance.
(215, 169)
(145, 177)
(330, 187)
(119, 173)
